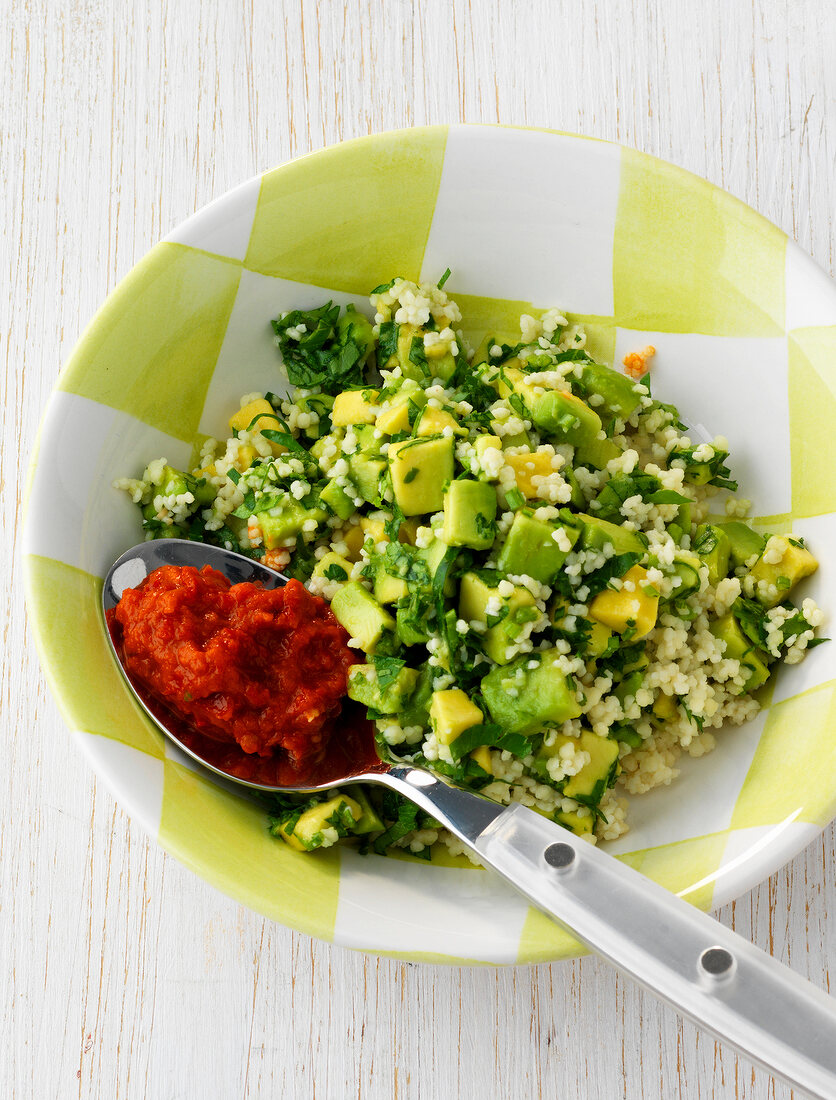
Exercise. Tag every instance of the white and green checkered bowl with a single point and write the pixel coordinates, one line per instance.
(745, 327)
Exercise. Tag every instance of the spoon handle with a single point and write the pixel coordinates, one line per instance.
(700, 967)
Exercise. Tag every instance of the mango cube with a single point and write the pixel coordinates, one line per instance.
(255, 417)
(451, 713)
(354, 407)
(628, 608)
(354, 538)
(434, 421)
(528, 466)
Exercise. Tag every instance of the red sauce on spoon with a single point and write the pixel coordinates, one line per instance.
(252, 680)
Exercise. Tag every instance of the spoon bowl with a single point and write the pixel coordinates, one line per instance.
(701, 968)
(350, 756)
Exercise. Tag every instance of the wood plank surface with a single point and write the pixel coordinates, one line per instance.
(121, 974)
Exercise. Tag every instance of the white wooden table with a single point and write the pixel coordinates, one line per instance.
(122, 975)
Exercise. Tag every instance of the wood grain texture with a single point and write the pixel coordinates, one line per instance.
(121, 974)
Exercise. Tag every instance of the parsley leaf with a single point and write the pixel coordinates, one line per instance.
(331, 350)
(335, 572)
(387, 669)
(491, 735)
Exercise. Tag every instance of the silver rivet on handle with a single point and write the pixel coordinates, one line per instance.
(716, 962)
(559, 856)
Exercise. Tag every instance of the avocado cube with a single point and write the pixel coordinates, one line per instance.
(544, 696)
(744, 543)
(713, 547)
(356, 326)
(367, 441)
(416, 709)
(596, 453)
(564, 416)
(625, 611)
(332, 439)
(681, 526)
(571, 820)
(168, 482)
(475, 592)
(420, 470)
(409, 335)
(365, 472)
(354, 407)
(403, 406)
(598, 532)
(389, 589)
(530, 547)
(361, 615)
(628, 686)
(333, 567)
(433, 556)
(320, 405)
(469, 514)
(589, 784)
(486, 442)
(686, 566)
(739, 648)
(596, 635)
(409, 628)
(451, 713)
(364, 687)
(518, 439)
(775, 579)
(286, 520)
(617, 390)
(323, 824)
(578, 500)
(369, 821)
(333, 496)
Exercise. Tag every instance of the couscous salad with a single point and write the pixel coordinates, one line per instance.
(523, 546)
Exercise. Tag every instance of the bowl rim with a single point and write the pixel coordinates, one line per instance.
(784, 845)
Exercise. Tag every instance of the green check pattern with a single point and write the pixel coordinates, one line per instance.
(686, 258)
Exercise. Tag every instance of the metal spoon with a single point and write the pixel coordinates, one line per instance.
(684, 956)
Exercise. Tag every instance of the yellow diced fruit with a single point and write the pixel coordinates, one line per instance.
(408, 530)
(434, 421)
(482, 756)
(354, 538)
(510, 378)
(437, 351)
(487, 442)
(773, 580)
(420, 468)
(306, 834)
(624, 610)
(664, 707)
(255, 417)
(394, 419)
(354, 407)
(580, 826)
(528, 466)
(325, 564)
(451, 713)
(374, 527)
(246, 457)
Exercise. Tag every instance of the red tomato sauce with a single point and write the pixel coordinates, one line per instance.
(240, 665)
